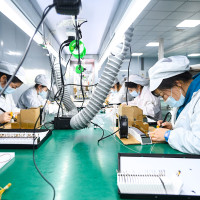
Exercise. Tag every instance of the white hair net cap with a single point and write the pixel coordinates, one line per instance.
(41, 79)
(9, 69)
(166, 68)
(138, 80)
(115, 82)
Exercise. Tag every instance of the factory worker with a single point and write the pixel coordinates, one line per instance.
(170, 79)
(112, 98)
(6, 100)
(121, 97)
(35, 96)
(138, 88)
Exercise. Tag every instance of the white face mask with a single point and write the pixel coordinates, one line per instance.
(174, 103)
(8, 90)
(134, 93)
(43, 94)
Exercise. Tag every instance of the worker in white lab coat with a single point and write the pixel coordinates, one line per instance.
(138, 88)
(35, 96)
(118, 93)
(170, 79)
(7, 104)
(122, 93)
(112, 97)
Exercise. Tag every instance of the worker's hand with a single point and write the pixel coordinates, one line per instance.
(158, 135)
(167, 125)
(123, 104)
(5, 117)
(48, 102)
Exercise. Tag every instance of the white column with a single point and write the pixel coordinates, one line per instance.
(161, 49)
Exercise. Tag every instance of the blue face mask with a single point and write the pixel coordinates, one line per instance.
(173, 103)
(43, 94)
(9, 90)
(134, 93)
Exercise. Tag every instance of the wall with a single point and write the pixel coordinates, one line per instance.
(14, 40)
(135, 66)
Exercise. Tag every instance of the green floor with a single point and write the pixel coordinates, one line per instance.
(73, 162)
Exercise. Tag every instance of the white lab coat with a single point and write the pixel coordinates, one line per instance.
(148, 103)
(185, 136)
(30, 99)
(7, 103)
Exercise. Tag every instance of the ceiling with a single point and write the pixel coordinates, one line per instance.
(93, 31)
(158, 20)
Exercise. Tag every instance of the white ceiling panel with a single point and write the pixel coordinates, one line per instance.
(190, 7)
(168, 22)
(140, 32)
(144, 13)
(143, 28)
(167, 5)
(151, 4)
(149, 22)
(162, 28)
(195, 17)
(180, 15)
(156, 15)
(155, 33)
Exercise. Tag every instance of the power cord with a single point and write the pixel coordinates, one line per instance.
(128, 77)
(102, 137)
(59, 91)
(79, 59)
(62, 80)
(34, 130)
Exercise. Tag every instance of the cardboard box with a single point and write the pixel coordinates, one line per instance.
(29, 117)
(132, 112)
(18, 118)
(15, 125)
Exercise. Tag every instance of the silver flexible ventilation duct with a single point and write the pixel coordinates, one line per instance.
(83, 118)
(69, 105)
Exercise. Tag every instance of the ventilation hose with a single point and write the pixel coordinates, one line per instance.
(69, 105)
(83, 118)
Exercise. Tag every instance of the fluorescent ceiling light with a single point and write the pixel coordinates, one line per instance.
(153, 44)
(16, 16)
(189, 23)
(52, 50)
(14, 53)
(124, 70)
(131, 14)
(194, 54)
(136, 54)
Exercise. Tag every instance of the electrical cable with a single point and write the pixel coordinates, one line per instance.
(163, 184)
(62, 87)
(102, 138)
(125, 146)
(59, 91)
(79, 59)
(46, 11)
(100, 128)
(67, 64)
(34, 137)
(128, 77)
